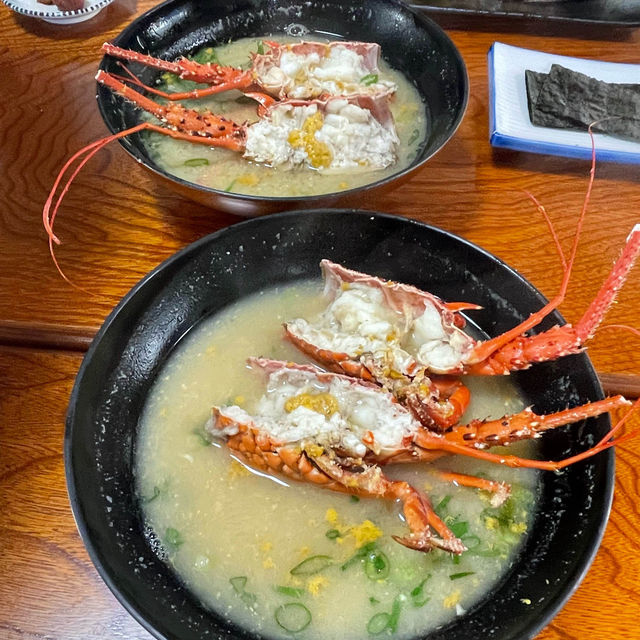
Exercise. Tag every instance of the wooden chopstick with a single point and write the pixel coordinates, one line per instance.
(625, 384)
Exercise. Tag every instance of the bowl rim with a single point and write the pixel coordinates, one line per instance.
(312, 200)
(551, 608)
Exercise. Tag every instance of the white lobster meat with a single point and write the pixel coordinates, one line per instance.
(303, 70)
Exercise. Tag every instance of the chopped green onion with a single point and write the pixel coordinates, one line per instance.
(199, 433)
(413, 137)
(376, 565)
(471, 542)
(230, 186)
(378, 623)
(172, 538)
(417, 594)
(417, 591)
(332, 534)
(455, 558)
(373, 600)
(459, 529)
(260, 48)
(354, 498)
(370, 78)
(382, 621)
(311, 565)
(442, 505)
(292, 592)
(293, 617)
(196, 162)
(156, 492)
(206, 56)
(360, 554)
(463, 574)
(238, 583)
(395, 614)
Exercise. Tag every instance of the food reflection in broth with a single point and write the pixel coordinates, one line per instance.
(228, 171)
(273, 555)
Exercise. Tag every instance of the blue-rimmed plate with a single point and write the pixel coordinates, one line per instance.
(509, 123)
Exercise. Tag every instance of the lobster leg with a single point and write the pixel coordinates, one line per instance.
(220, 78)
(418, 512)
(259, 451)
(500, 490)
(191, 125)
(453, 442)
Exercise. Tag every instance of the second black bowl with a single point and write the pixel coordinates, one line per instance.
(411, 43)
(130, 350)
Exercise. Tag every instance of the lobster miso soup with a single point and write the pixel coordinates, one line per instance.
(228, 171)
(280, 557)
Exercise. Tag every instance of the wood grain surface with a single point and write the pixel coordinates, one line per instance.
(117, 223)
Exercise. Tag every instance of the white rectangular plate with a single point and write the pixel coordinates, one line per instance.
(509, 123)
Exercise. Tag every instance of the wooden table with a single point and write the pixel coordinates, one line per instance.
(118, 222)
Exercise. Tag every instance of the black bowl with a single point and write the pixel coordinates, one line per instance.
(410, 42)
(140, 334)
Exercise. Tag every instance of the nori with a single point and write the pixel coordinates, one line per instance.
(571, 100)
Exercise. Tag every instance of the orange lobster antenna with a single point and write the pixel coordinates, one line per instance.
(485, 349)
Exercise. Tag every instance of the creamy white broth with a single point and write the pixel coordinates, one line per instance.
(227, 170)
(221, 522)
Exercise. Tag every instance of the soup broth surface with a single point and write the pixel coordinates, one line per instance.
(239, 538)
(228, 171)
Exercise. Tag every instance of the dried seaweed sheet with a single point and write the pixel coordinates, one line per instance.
(571, 100)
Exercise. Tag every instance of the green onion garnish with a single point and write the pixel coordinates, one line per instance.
(293, 617)
(459, 529)
(292, 592)
(230, 186)
(332, 534)
(370, 78)
(260, 48)
(376, 565)
(413, 137)
(354, 498)
(196, 162)
(202, 439)
(238, 583)
(360, 554)
(417, 594)
(156, 493)
(455, 559)
(382, 621)
(463, 574)
(442, 504)
(395, 614)
(373, 600)
(311, 565)
(471, 542)
(172, 538)
(378, 623)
